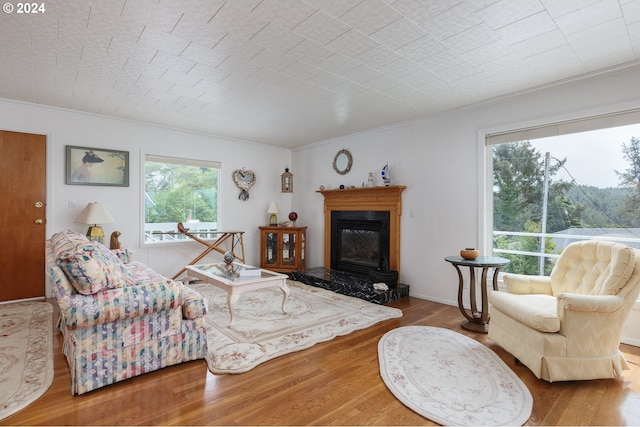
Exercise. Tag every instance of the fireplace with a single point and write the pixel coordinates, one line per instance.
(359, 241)
(367, 230)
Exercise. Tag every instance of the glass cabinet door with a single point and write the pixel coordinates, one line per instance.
(288, 249)
(271, 249)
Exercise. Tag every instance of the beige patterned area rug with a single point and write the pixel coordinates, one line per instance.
(26, 354)
(451, 379)
(261, 331)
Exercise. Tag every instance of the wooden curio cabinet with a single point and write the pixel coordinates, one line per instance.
(282, 249)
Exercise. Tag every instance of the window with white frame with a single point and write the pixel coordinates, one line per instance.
(560, 183)
(178, 190)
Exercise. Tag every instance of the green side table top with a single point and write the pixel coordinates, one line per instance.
(481, 261)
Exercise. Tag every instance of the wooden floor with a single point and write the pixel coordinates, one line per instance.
(333, 383)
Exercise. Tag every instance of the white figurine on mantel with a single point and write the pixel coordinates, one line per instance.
(386, 177)
(370, 179)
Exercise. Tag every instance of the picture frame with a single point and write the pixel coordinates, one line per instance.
(96, 166)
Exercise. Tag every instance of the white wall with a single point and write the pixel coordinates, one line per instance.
(68, 128)
(437, 159)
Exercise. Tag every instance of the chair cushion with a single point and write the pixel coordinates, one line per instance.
(536, 311)
(593, 268)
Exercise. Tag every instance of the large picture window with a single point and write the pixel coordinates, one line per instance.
(179, 190)
(556, 184)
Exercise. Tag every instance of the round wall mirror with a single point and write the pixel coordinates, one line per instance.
(342, 162)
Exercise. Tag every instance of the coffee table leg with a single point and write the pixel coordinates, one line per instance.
(285, 290)
(231, 302)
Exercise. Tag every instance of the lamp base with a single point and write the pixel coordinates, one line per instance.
(273, 220)
(95, 233)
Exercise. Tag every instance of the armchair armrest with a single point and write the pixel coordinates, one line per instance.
(591, 322)
(523, 284)
(589, 303)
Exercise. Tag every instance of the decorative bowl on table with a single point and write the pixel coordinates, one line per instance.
(469, 253)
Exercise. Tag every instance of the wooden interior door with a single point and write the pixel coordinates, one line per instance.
(22, 215)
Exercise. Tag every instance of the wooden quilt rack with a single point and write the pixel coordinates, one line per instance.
(215, 245)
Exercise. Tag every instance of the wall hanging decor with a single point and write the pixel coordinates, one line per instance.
(97, 166)
(286, 181)
(244, 179)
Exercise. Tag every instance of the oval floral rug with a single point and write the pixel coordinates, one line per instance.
(451, 379)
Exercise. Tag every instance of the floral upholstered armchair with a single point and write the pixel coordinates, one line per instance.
(119, 319)
(568, 326)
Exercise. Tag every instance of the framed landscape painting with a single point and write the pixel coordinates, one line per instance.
(97, 166)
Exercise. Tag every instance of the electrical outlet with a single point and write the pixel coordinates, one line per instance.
(71, 202)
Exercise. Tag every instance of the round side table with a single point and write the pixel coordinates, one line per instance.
(477, 321)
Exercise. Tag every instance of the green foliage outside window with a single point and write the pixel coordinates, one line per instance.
(180, 192)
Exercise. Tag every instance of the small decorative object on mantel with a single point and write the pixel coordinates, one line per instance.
(469, 253)
(114, 243)
(244, 179)
(386, 176)
(286, 181)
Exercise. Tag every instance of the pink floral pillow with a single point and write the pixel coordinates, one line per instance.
(93, 268)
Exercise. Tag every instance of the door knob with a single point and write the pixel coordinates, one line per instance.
(39, 221)
(39, 204)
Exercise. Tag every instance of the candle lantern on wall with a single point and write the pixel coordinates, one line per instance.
(287, 181)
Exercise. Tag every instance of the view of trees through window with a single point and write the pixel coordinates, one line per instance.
(179, 190)
(567, 188)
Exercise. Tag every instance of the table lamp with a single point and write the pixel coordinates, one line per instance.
(273, 210)
(93, 214)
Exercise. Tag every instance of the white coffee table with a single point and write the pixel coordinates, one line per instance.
(229, 278)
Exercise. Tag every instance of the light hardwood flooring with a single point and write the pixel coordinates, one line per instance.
(333, 383)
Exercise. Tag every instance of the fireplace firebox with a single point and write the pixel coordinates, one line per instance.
(359, 241)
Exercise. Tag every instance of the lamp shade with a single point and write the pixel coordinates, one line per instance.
(94, 213)
(273, 208)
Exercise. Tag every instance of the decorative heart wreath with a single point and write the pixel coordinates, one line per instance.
(244, 179)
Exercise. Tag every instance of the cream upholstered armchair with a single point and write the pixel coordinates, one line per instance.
(568, 326)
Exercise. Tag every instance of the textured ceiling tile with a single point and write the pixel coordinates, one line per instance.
(270, 77)
(171, 62)
(272, 59)
(321, 28)
(334, 8)
(197, 30)
(276, 37)
(309, 51)
(202, 55)
(398, 33)
(301, 70)
(598, 35)
(199, 8)
(471, 38)
(527, 28)
(362, 74)
(327, 80)
(422, 10)
(370, 16)
(452, 22)
(558, 8)
(506, 12)
(287, 13)
(337, 63)
(379, 56)
(589, 16)
(352, 43)
(400, 68)
(422, 49)
(631, 10)
(234, 18)
(162, 41)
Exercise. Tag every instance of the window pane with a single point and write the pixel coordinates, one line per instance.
(550, 192)
(179, 190)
